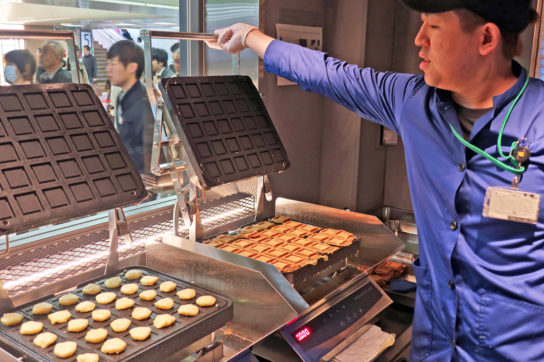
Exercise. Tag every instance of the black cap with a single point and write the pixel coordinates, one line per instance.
(509, 15)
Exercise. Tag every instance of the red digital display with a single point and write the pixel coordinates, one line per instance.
(302, 334)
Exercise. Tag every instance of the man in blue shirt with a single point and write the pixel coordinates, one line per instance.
(480, 272)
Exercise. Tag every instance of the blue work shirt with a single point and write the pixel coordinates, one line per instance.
(480, 292)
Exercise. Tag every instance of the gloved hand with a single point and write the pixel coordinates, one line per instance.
(232, 39)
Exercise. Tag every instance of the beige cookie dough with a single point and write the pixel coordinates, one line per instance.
(11, 319)
(92, 289)
(129, 288)
(165, 303)
(106, 297)
(96, 335)
(77, 325)
(164, 320)
(120, 324)
(61, 316)
(186, 294)
(124, 303)
(113, 282)
(205, 301)
(167, 286)
(68, 299)
(87, 357)
(113, 346)
(141, 313)
(65, 349)
(44, 340)
(188, 310)
(133, 274)
(86, 306)
(140, 333)
(149, 280)
(148, 295)
(42, 308)
(101, 315)
(31, 327)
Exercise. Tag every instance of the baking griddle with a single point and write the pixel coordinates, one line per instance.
(60, 157)
(162, 343)
(224, 123)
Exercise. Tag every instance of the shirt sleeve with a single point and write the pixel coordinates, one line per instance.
(376, 96)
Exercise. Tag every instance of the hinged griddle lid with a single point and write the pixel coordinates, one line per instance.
(60, 157)
(225, 127)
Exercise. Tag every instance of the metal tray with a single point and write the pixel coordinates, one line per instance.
(224, 124)
(162, 342)
(60, 157)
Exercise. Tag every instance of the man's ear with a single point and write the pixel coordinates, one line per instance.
(490, 36)
(132, 67)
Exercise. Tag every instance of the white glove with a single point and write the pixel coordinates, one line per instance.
(233, 38)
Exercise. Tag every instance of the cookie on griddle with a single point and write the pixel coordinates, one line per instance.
(140, 333)
(65, 349)
(31, 327)
(87, 357)
(92, 289)
(205, 301)
(113, 282)
(42, 308)
(68, 299)
(167, 286)
(96, 335)
(113, 346)
(11, 319)
(44, 340)
(133, 274)
(61, 316)
(85, 306)
(163, 320)
(149, 280)
(120, 324)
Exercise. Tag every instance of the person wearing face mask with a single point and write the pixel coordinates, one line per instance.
(20, 67)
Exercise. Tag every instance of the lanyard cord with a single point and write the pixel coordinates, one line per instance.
(499, 140)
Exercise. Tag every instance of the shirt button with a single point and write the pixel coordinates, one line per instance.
(462, 167)
(451, 284)
(452, 343)
(453, 225)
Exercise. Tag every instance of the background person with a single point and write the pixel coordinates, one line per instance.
(480, 289)
(89, 61)
(20, 67)
(133, 115)
(159, 64)
(51, 69)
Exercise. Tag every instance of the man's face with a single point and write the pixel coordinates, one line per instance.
(48, 59)
(177, 66)
(449, 54)
(118, 73)
(156, 66)
(85, 52)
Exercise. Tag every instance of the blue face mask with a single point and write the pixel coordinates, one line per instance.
(10, 72)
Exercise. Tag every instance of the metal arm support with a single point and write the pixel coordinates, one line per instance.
(118, 227)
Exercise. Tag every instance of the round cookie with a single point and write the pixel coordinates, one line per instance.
(106, 297)
(77, 325)
(164, 303)
(85, 306)
(120, 324)
(101, 315)
(140, 333)
(167, 286)
(87, 357)
(164, 320)
(11, 319)
(188, 310)
(65, 349)
(68, 299)
(61, 316)
(113, 282)
(186, 294)
(148, 295)
(96, 335)
(42, 308)
(205, 301)
(44, 340)
(149, 280)
(92, 289)
(133, 274)
(31, 327)
(129, 288)
(124, 303)
(141, 313)
(113, 346)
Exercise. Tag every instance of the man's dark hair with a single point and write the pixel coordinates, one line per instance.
(128, 52)
(87, 47)
(160, 56)
(22, 58)
(174, 47)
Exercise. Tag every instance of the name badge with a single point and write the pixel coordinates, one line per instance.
(513, 205)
